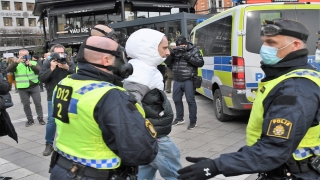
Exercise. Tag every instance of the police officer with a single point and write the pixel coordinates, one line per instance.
(283, 130)
(101, 133)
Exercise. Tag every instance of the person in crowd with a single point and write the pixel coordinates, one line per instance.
(74, 58)
(148, 48)
(26, 75)
(91, 142)
(168, 81)
(283, 130)
(3, 67)
(39, 62)
(185, 60)
(54, 69)
(10, 75)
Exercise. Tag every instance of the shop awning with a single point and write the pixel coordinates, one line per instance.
(160, 4)
(69, 41)
(81, 8)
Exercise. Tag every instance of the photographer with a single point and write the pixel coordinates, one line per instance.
(53, 70)
(26, 75)
(185, 60)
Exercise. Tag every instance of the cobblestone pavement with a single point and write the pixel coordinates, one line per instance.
(24, 161)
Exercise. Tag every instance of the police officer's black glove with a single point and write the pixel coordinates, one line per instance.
(204, 168)
(187, 57)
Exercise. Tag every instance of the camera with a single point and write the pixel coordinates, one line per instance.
(179, 51)
(60, 58)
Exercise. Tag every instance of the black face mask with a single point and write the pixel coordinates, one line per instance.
(121, 67)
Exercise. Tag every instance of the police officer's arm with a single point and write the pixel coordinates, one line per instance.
(293, 103)
(45, 72)
(194, 58)
(123, 129)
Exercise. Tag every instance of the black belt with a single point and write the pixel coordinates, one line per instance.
(75, 168)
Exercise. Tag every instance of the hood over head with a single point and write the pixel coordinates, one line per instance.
(143, 46)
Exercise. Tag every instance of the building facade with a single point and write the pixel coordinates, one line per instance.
(18, 26)
(212, 6)
(70, 21)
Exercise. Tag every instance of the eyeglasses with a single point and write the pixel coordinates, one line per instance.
(270, 30)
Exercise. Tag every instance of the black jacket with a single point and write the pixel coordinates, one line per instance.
(6, 127)
(185, 65)
(296, 100)
(158, 110)
(123, 128)
(52, 78)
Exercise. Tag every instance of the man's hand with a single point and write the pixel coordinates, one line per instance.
(63, 66)
(20, 59)
(53, 64)
(28, 63)
(187, 57)
(204, 168)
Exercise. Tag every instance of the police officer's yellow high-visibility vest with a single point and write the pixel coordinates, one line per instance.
(24, 75)
(310, 143)
(80, 139)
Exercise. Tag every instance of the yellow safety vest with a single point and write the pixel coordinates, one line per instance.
(80, 139)
(25, 74)
(310, 143)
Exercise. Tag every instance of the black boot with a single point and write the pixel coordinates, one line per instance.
(29, 122)
(48, 150)
(40, 119)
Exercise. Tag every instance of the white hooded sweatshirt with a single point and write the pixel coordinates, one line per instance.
(142, 47)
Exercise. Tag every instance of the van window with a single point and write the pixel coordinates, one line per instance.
(214, 39)
(310, 18)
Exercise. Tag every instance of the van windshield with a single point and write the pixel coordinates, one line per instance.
(310, 18)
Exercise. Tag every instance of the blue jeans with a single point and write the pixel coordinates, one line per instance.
(59, 173)
(178, 89)
(51, 125)
(167, 162)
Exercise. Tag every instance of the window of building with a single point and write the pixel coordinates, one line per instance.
(32, 22)
(220, 3)
(141, 14)
(20, 21)
(101, 19)
(7, 21)
(5, 5)
(30, 6)
(174, 30)
(87, 21)
(18, 6)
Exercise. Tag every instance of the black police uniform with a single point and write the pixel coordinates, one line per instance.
(121, 137)
(295, 99)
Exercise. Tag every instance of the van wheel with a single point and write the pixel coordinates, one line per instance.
(218, 107)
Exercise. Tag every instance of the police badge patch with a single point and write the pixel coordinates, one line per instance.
(280, 128)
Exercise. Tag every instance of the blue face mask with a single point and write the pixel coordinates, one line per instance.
(269, 54)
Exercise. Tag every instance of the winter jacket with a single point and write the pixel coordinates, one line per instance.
(185, 66)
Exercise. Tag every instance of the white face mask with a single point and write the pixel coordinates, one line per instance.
(318, 51)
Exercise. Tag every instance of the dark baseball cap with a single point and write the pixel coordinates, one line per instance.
(36, 56)
(285, 27)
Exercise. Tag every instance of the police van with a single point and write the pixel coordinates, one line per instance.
(230, 43)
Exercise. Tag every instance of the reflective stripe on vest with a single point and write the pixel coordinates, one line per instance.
(24, 75)
(98, 164)
(81, 139)
(310, 143)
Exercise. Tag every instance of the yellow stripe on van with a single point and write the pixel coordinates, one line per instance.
(225, 77)
(228, 101)
(200, 90)
(308, 6)
(270, 7)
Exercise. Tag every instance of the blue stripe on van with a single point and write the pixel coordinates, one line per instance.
(222, 68)
(252, 85)
(207, 74)
(226, 60)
